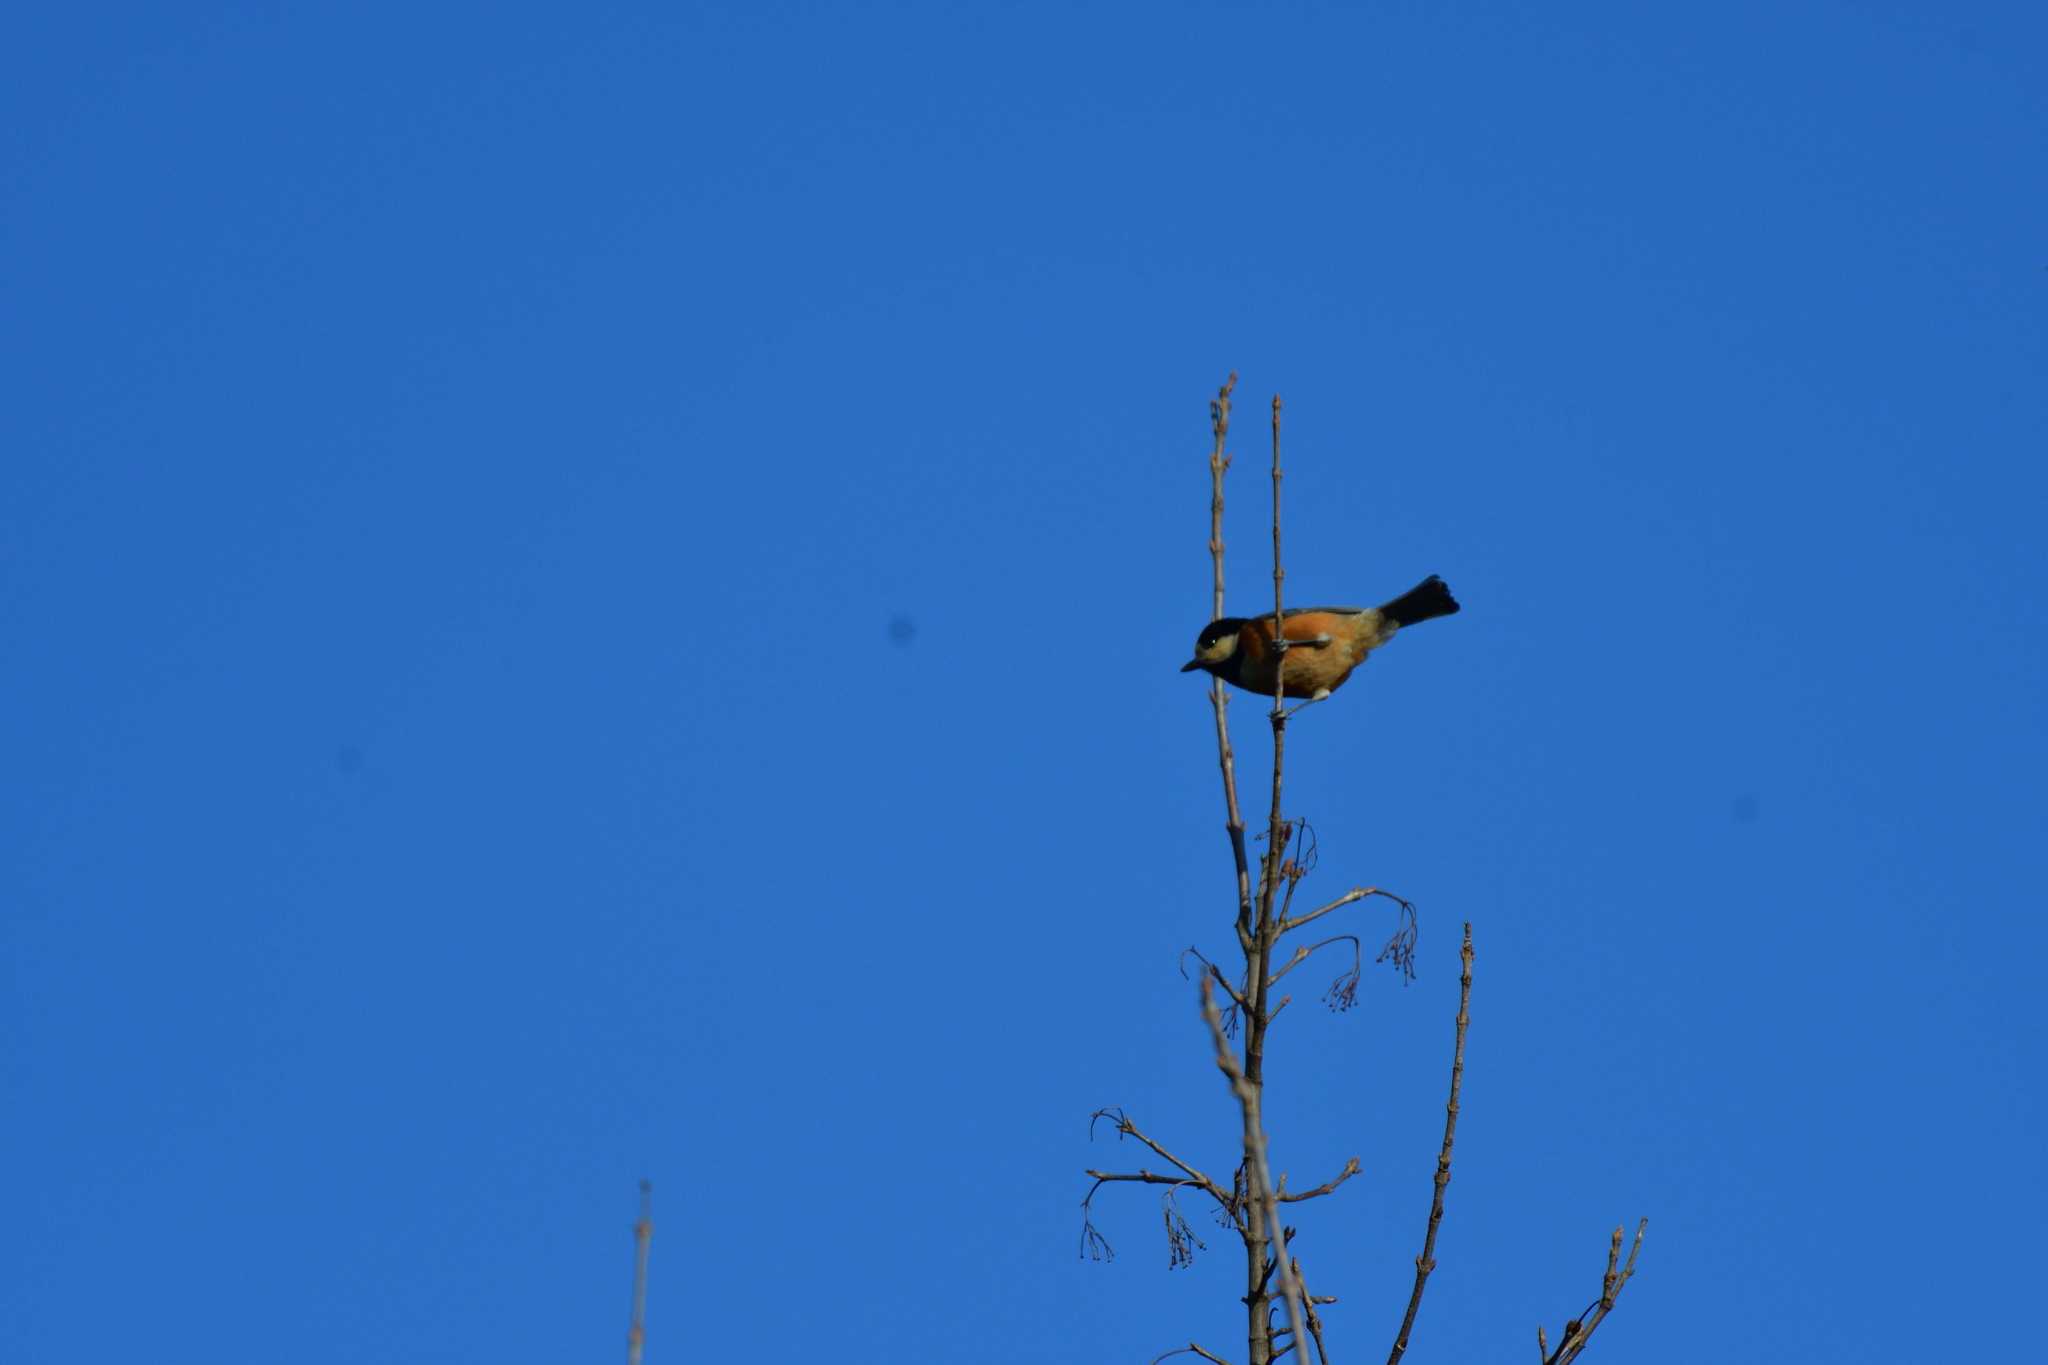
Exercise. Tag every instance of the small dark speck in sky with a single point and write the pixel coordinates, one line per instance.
(902, 630)
(1743, 808)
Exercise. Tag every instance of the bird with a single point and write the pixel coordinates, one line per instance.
(1324, 644)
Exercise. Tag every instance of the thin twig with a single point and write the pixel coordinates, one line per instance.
(643, 1234)
(1125, 1127)
(1219, 697)
(1236, 998)
(1141, 1177)
(1145, 1177)
(1251, 1093)
(1279, 577)
(1577, 1335)
(1315, 1320)
(1359, 893)
(1350, 1169)
(1426, 1262)
(1294, 869)
(1303, 953)
(1276, 838)
(1183, 1350)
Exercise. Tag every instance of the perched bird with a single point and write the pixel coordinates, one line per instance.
(1323, 643)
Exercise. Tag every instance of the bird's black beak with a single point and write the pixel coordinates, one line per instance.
(1191, 665)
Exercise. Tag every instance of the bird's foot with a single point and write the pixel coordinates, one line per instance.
(1320, 694)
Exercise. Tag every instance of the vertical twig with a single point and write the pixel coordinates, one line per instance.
(643, 1233)
(1426, 1262)
(1253, 1092)
(1219, 427)
(1279, 574)
(1219, 696)
(1254, 1226)
(1276, 843)
(1265, 933)
(1315, 1323)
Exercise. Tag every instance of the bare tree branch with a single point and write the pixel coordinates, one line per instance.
(1302, 954)
(1219, 698)
(1126, 1128)
(1350, 1169)
(1579, 1332)
(1255, 918)
(1190, 1347)
(643, 1235)
(1102, 1178)
(1237, 1000)
(1315, 1319)
(1181, 1241)
(1250, 1080)
(1426, 1262)
(1359, 893)
(1303, 861)
(1258, 1175)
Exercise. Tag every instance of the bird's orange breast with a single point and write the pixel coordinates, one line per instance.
(1311, 668)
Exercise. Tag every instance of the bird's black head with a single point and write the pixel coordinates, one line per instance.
(1215, 645)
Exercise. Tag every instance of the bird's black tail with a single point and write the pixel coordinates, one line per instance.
(1425, 601)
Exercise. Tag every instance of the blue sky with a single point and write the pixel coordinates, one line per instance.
(467, 477)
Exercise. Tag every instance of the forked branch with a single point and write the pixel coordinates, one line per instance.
(1126, 1128)
(1579, 1331)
